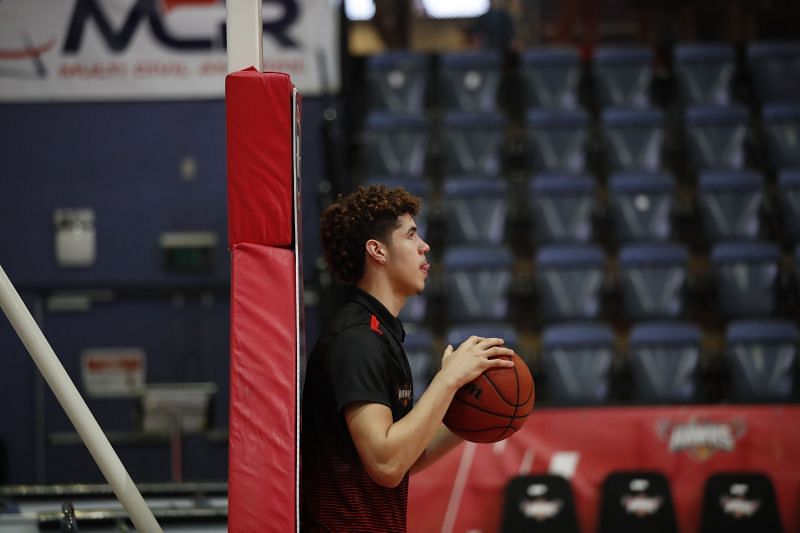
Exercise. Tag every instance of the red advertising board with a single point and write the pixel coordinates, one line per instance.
(464, 491)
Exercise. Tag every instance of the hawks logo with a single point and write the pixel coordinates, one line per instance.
(540, 508)
(700, 438)
(404, 394)
(641, 504)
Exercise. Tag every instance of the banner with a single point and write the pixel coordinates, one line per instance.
(464, 491)
(78, 50)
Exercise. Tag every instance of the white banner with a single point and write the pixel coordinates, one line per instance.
(71, 50)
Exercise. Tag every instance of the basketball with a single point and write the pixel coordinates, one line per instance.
(494, 405)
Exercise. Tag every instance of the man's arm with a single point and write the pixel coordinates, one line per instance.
(389, 449)
(442, 442)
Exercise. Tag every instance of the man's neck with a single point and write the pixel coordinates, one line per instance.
(384, 294)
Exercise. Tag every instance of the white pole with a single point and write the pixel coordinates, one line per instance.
(245, 35)
(76, 409)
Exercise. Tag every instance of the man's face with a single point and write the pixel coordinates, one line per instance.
(406, 263)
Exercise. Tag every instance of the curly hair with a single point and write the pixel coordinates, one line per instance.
(367, 213)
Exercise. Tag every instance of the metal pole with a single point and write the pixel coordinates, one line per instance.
(75, 407)
(245, 31)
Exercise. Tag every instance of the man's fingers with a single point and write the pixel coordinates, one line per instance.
(496, 351)
(490, 341)
(501, 363)
(448, 350)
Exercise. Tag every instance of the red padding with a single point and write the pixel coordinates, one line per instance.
(263, 430)
(259, 116)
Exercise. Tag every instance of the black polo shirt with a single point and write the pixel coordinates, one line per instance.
(359, 358)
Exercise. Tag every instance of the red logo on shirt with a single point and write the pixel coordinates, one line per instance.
(374, 325)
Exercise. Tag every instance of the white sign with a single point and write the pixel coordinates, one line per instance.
(70, 50)
(113, 372)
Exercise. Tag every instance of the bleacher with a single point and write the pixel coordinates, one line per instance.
(638, 219)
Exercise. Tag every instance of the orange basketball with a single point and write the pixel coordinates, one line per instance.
(494, 405)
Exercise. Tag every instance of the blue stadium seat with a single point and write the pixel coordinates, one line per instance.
(636, 501)
(730, 204)
(716, 136)
(458, 333)
(472, 143)
(550, 77)
(634, 139)
(397, 81)
(623, 75)
(568, 281)
(469, 81)
(664, 358)
(558, 139)
(746, 277)
(477, 281)
(739, 502)
(653, 277)
(775, 69)
(789, 187)
(641, 206)
(476, 210)
(395, 144)
(705, 71)
(577, 359)
(782, 128)
(418, 345)
(561, 207)
(762, 355)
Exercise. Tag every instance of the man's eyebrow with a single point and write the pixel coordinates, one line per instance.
(412, 229)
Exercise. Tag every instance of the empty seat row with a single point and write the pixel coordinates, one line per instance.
(577, 360)
(569, 279)
(633, 139)
(641, 500)
(563, 208)
(549, 77)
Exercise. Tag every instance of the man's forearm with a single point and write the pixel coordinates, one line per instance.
(442, 442)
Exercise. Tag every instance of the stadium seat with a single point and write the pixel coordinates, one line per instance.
(705, 71)
(458, 333)
(739, 502)
(576, 359)
(568, 281)
(550, 77)
(542, 502)
(652, 278)
(716, 136)
(470, 81)
(746, 277)
(634, 139)
(622, 75)
(641, 206)
(473, 143)
(730, 204)
(418, 345)
(476, 210)
(636, 501)
(789, 187)
(558, 140)
(762, 355)
(477, 281)
(397, 81)
(395, 144)
(775, 69)
(782, 128)
(664, 358)
(561, 207)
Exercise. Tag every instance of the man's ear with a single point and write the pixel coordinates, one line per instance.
(376, 250)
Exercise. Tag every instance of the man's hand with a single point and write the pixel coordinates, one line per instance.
(472, 358)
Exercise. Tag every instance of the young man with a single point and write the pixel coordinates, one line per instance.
(361, 435)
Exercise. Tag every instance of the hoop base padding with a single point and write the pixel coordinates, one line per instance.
(258, 108)
(263, 426)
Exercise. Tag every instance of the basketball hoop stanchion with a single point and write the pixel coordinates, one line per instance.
(73, 404)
